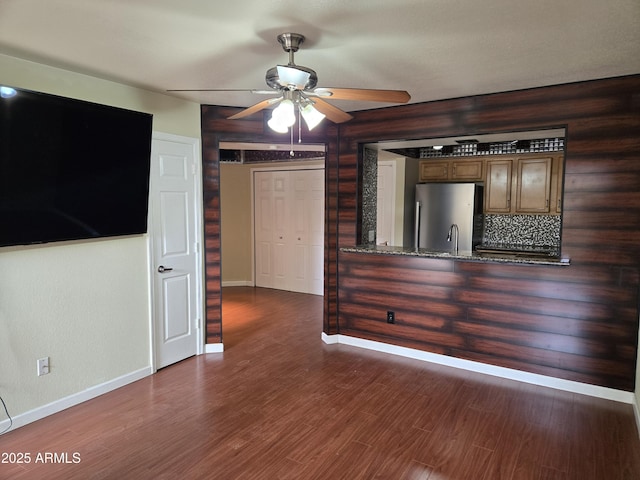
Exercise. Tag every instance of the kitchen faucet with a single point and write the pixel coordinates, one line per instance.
(453, 230)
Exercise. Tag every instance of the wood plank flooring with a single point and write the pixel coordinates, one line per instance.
(280, 404)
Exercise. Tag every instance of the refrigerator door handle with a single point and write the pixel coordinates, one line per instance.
(416, 235)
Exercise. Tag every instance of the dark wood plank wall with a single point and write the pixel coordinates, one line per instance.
(215, 129)
(579, 322)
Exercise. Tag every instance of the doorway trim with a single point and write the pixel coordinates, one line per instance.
(223, 136)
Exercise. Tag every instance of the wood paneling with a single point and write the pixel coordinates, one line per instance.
(578, 322)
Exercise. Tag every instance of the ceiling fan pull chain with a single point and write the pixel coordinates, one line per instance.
(291, 151)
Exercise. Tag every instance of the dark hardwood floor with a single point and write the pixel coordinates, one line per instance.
(280, 404)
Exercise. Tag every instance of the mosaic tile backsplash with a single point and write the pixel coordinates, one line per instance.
(524, 230)
(369, 195)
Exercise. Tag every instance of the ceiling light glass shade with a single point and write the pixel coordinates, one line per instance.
(312, 117)
(292, 76)
(437, 147)
(285, 113)
(283, 116)
(276, 126)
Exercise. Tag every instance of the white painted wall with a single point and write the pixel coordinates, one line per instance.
(83, 304)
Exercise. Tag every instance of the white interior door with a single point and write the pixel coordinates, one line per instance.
(263, 226)
(280, 240)
(175, 203)
(289, 230)
(299, 256)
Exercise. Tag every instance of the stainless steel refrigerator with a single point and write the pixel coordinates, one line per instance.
(440, 206)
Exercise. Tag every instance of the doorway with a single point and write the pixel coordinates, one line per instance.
(386, 203)
(237, 211)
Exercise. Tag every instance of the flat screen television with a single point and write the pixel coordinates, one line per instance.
(71, 169)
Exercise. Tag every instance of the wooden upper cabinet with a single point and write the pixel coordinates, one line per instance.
(459, 170)
(534, 181)
(467, 170)
(431, 171)
(497, 187)
(533, 185)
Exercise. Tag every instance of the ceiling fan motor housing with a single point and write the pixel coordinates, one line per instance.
(273, 79)
(290, 43)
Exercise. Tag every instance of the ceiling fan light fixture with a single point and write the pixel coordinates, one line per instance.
(311, 115)
(283, 116)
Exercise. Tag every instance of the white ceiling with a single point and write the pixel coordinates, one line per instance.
(434, 49)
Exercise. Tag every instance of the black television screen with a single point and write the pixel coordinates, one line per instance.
(70, 169)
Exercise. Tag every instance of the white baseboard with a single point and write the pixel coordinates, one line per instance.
(214, 348)
(532, 378)
(637, 414)
(330, 339)
(75, 399)
(238, 283)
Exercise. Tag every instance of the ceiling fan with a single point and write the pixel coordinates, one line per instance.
(295, 86)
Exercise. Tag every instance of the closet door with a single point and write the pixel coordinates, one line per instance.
(300, 226)
(281, 230)
(289, 230)
(263, 229)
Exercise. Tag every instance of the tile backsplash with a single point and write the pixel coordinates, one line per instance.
(525, 230)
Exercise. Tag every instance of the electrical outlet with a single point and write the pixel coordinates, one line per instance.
(43, 366)
(391, 317)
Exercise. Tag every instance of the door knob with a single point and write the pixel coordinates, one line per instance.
(162, 269)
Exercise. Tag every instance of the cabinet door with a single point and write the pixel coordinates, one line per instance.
(498, 186)
(433, 171)
(533, 185)
(466, 170)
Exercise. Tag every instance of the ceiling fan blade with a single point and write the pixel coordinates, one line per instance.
(292, 76)
(260, 92)
(363, 94)
(255, 108)
(332, 113)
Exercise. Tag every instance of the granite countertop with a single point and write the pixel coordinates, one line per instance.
(494, 257)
